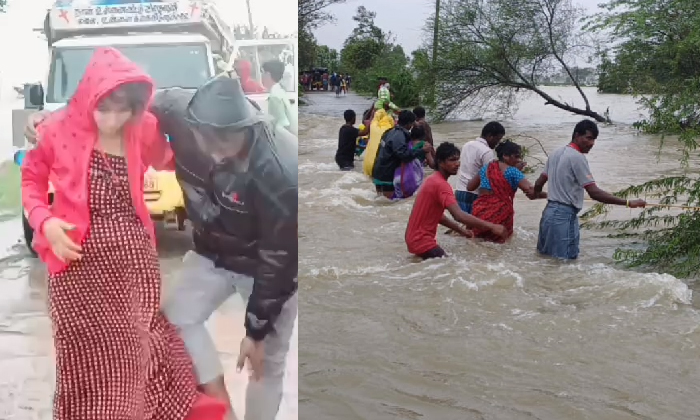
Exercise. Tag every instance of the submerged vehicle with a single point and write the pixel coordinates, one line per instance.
(179, 44)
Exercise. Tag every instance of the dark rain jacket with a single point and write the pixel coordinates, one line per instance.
(393, 151)
(245, 219)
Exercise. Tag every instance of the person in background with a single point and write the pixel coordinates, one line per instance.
(244, 71)
(434, 197)
(384, 95)
(338, 85)
(393, 151)
(409, 176)
(419, 111)
(343, 85)
(333, 80)
(348, 81)
(569, 175)
(475, 155)
(497, 183)
(117, 357)
(380, 123)
(347, 142)
(287, 81)
(324, 80)
(278, 106)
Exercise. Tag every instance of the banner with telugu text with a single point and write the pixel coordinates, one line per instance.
(85, 14)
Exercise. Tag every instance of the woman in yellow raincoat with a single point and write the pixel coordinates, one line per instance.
(381, 122)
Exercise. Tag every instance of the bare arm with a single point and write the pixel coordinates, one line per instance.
(430, 158)
(474, 183)
(455, 227)
(537, 190)
(529, 190)
(469, 220)
(603, 196)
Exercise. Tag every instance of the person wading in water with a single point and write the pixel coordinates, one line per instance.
(434, 197)
(569, 176)
(497, 183)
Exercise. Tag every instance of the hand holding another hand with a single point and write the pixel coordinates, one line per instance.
(499, 230)
(33, 121)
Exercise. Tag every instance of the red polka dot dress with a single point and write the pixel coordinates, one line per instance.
(117, 358)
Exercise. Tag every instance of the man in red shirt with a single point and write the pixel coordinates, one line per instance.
(433, 198)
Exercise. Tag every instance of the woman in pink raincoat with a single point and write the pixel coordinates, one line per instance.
(117, 357)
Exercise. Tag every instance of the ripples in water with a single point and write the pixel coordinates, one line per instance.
(494, 331)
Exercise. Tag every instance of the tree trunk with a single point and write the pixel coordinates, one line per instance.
(566, 107)
(433, 83)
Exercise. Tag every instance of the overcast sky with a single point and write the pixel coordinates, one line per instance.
(24, 58)
(403, 18)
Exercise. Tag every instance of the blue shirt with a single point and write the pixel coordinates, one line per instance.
(512, 174)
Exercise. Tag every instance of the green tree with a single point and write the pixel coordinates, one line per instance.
(487, 51)
(369, 53)
(327, 58)
(3, 3)
(311, 14)
(663, 33)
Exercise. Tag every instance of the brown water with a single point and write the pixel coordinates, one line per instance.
(495, 331)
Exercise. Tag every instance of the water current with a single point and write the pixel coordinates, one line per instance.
(495, 331)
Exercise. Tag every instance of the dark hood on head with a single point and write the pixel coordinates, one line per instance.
(221, 103)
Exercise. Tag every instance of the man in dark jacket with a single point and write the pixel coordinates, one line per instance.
(240, 184)
(393, 151)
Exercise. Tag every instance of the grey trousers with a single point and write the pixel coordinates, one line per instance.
(200, 290)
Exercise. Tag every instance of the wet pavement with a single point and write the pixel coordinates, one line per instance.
(26, 351)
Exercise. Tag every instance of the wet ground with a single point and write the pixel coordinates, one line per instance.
(494, 331)
(26, 351)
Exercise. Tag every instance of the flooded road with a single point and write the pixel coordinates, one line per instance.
(495, 331)
(26, 351)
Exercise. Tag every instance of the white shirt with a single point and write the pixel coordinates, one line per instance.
(475, 154)
(287, 81)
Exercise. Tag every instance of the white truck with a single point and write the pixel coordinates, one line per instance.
(258, 51)
(178, 43)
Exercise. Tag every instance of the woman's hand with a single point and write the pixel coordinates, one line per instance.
(61, 244)
(34, 120)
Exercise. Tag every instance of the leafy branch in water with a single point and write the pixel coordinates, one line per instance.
(653, 54)
(526, 153)
(666, 240)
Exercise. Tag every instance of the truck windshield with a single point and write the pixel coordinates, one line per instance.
(185, 66)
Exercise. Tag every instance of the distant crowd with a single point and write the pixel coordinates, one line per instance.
(398, 151)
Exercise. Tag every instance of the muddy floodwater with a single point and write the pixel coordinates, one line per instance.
(26, 351)
(495, 331)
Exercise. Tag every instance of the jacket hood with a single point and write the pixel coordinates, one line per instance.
(221, 103)
(108, 69)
